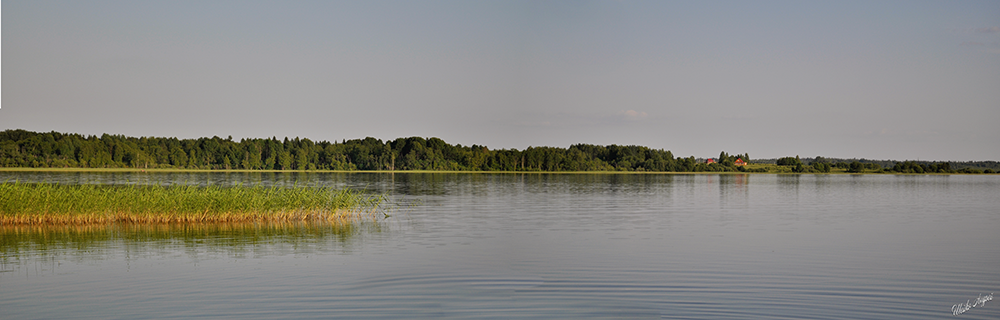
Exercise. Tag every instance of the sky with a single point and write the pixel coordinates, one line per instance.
(902, 80)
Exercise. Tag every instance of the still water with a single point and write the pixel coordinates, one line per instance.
(540, 246)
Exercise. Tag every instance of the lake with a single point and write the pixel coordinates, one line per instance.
(535, 246)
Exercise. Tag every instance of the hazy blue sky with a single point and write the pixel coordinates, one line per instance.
(873, 79)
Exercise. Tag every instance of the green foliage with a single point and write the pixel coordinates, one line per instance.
(30, 202)
(855, 167)
(729, 160)
(19, 148)
(789, 161)
(942, 167)
(821, 167)
(799, 168)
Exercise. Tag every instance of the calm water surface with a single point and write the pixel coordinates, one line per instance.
(543, 246)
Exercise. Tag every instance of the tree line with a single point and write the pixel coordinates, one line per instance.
(825, 165)
(20, 148)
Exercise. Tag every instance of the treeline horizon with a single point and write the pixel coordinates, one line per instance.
(22, 148)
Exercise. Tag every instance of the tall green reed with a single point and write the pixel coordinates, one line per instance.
(32, 203)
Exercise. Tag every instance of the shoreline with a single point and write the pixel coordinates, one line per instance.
(173, 170)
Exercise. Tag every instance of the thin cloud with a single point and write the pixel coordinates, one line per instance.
(882, 132)
(895, 133)
(987, 30)
(632, 114)
(972, 44)
(533, 124)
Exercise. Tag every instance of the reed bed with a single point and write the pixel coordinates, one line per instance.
(45, 203)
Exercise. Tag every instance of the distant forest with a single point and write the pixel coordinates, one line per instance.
(20, 148)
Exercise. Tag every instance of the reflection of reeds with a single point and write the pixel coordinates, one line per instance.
(43, 203)
(234, 237)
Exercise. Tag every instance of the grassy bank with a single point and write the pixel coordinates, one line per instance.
(42, 203)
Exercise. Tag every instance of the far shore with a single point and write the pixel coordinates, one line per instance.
(167, 170)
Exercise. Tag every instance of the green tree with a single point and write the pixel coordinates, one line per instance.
(254, 154)
(301, 159)
(178, 157)
(855, 167)
(285, 160)
(798, 168)
(821, 167)
(789, 161)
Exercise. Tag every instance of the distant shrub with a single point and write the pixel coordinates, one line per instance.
(789, 161)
